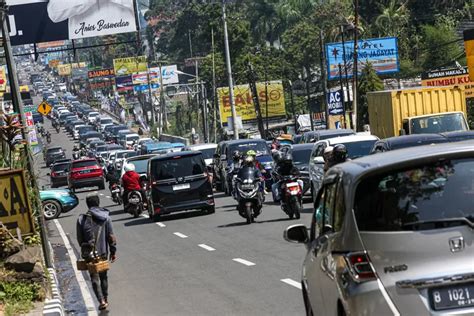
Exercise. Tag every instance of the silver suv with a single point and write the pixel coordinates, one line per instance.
(393, 234)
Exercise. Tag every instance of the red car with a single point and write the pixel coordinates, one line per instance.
(85, 173)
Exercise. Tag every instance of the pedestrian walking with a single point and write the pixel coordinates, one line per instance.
(96, 237)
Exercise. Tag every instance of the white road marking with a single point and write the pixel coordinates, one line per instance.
(243, 261)
(86, 295)
(101, 194)
(161, 224)
(180, 235)
(292, 283)
(144, 215)
(208, 248)
(108, 197)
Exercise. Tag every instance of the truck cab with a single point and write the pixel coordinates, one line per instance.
(434, 123)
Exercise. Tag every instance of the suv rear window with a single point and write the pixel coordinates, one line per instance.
(177, 167)
(431, 196)
(61, 166)
(83, 164)
(54, 150)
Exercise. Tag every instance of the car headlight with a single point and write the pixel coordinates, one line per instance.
(64, 194)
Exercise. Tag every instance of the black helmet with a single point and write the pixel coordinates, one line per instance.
(339, 153)
(110, 168)
(236, 155)
(287, 157)
(277, 156)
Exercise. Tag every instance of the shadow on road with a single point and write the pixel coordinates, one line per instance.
(233, 225)
(135, 221)
(308, 210)
(182, 215)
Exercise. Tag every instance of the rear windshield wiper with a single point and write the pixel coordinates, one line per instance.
(440, 223)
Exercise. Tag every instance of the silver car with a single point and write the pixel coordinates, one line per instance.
(393, 234)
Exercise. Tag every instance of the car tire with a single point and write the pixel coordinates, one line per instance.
(211, 210)
(102, 186)
(51, 209)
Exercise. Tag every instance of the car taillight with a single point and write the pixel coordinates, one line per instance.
(54, 174)
(360, 267)
(157, 210)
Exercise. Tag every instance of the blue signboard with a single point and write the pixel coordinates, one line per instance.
(336, 102)
(382, 53)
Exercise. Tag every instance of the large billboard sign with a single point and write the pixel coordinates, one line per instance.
(449, 77)
(382, 53)
(37, 21)
(244, 105)
(130, 65)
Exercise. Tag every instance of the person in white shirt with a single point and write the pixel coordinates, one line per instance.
(89, 18)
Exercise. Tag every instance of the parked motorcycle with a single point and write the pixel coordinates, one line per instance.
(248, 193)
(116, 193)
(76, 155)
(291, 196)
(135, 204)
(48, 137)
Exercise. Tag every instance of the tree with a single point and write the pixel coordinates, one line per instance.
(440, 45)
(369, 81)
(393, 19)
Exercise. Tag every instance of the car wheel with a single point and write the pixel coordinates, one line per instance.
(102, 186)
(211, 210)
(51, 209)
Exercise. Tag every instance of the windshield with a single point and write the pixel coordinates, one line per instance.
(438, 124)
(54, 150)
(207, 153)
(178, 167)
(126, 154)
(140, 165)
(61, 167)
(132, 138)
(83, 164)
(301, 157)
(438, 191)
(359, 149)
(106, 121)
(259, 147)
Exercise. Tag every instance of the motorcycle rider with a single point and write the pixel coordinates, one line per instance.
(233, 169)
(251, 161)
(76, 150)
(334, 155)
(284, 168)
(131, 182)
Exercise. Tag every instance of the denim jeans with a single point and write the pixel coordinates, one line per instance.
(100, 285)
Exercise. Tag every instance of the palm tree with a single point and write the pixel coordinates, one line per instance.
(393, 19)
(265, 23)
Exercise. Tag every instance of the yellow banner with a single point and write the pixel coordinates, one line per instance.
(3, 78)
(15, 209)
(130, 65)
(53, 63)
(461, 80)
(64, 70)
(244, 102)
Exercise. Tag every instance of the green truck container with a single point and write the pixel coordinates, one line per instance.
(417, 111)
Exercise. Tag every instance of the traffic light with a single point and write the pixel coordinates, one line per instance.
(469, 47)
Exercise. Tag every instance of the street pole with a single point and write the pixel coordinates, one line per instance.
(256, 100)
(292, 103)
(150, 96)
(343, 98)
(214, 94)
(163, 118)
(266, 99)
(16, 100)
(354, 78)
(308, 97)
(229, 74)
(323, 76)
(345, 73)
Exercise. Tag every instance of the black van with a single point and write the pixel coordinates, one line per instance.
(179, 182)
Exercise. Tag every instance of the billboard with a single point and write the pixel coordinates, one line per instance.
(64, 70)
(335, 102)
(15, 210)
(38, 21)
(130, 65)
(101, 73)
(449, 77)
(244, 102)
(382, 53)
(124, 83)
(170, 75)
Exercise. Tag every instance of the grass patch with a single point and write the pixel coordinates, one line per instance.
(18, 296)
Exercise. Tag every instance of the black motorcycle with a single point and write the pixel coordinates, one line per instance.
(291, 196)
(48, 137)
(134, 204)
(116, 193)
(76, 154)
(248, 193)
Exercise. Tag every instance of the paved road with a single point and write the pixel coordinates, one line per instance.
(192, 264)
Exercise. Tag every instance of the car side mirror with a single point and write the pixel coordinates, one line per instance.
(296, 234)
(319, 160)
(327, 229)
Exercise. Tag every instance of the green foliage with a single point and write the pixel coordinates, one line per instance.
(369, 81)
(441, 46)
(18, 297)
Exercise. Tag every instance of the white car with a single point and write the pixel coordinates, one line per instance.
(75, 131)
(208, 151)
(92, 117)
(129, 139)
(357, 146)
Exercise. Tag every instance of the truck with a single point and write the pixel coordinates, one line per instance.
(417, 111)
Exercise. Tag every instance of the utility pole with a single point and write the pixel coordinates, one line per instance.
(16, 100)
(356, 49)
(163, 118)
(346, 80)
(323, 76)
(292, 103)
(266, 98)
(229, 74)
(308, 96)
(256, 101)
(214, 94)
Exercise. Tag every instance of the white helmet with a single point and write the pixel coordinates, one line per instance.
(129, 167)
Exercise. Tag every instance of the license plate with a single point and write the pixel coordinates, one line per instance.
(455, 296)
(247, 186)
(181, 186)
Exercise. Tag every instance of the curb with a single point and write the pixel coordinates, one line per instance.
(53, 306)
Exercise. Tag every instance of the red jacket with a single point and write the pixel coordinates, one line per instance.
(131, 181)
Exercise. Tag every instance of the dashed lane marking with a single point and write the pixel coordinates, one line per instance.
(180, 235)
(108, 197)
(208, 248)
(86, 295)
(144, 215)
(244, 262)
(101, 194)
(292, 283)
(161, 224)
